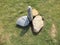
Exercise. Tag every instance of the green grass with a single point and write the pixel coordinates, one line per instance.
(11, 10)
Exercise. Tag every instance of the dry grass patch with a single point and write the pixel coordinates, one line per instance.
(1, 28)
(53, 32)
(5, 38)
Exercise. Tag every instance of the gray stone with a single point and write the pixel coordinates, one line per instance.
(30, 16)
(22, 21)
(38, 23)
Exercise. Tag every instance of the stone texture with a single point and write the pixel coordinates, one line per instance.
(37, 23)
(34, 12)
(22, 21)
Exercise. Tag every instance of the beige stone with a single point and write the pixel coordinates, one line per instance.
(34, 12)
(38, 23)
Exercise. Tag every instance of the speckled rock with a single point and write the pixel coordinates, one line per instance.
(22, 21)
(38, 23)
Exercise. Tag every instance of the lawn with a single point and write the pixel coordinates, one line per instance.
(11, 10)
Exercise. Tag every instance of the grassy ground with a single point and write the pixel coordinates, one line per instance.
(10, 10)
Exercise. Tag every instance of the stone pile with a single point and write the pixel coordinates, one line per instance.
(37, 22)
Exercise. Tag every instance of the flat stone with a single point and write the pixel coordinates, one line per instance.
(38, 23)
(22, 21)
(35, 12)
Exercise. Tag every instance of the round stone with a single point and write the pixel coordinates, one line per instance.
(22, 21)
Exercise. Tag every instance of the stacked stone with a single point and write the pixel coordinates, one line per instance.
(25, 20)
(37, 22)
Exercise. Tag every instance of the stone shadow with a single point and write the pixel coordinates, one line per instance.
(24, 29)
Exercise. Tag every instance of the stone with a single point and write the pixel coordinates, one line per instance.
(30, 16)
(38, 23)
(35, 12)
(22, 21)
